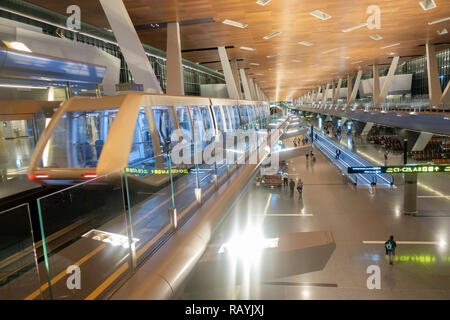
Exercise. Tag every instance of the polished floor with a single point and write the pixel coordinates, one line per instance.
(354, 215)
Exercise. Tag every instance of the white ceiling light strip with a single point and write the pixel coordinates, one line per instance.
(272, 55)
(269, 36)
(362, 25)
(376, 37)
(247, 48)
(254, 64)
(390, 46)
(263, 2)
(439, 21)
(356, 62)
(329, 51)
(305, 43)
(235, 24)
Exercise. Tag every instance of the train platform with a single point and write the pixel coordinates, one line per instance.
(357, 217)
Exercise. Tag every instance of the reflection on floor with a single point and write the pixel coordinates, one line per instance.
(353, 215)
(15, 156)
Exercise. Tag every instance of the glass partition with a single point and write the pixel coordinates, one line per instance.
(242, 112)
(78, 139)
(85, 238)
(219, 120)
(141, 146)
(165, 125)
(19, 276)
(235, 119)
(227, 117)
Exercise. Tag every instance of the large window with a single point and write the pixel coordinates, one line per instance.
(219, 120)
(165, 125)
(78, 139)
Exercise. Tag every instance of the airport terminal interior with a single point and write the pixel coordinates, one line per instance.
(224, 150)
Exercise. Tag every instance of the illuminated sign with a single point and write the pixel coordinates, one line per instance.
(145, 172)
(400, 169)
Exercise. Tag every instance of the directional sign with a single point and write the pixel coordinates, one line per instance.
(399, 169)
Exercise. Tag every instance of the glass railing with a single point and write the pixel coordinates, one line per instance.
(19, 274)
(96, 233)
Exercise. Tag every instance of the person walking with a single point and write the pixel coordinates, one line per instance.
(285, 179)
(385, 158)
(390, 246)
(292, 187)
(300, 188)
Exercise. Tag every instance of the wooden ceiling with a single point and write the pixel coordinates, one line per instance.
(402, 21)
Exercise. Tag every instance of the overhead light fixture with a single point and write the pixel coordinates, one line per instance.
(272, 55)
(390, 46)
(19, 46)
(263, 2)
(439, 21)
(427, 4)
(254, 64)
(271, 35)
(331, 50)
(320, 15)
(297, 61)
(247, 48)
(259, 74)
(362, 25)
(308, 44)
(235, 24)
(391, 53)
(376, 37)
(356, 62)
(441, 32)
(345, 57)
(314, 65)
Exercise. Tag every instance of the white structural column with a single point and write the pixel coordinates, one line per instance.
(324, 94)
(349, 88)
(388, 81)
(355, 88)
(130, 45)
(434, 85)
(445, 99)
(336, 93)
(229, 78)
(237, 81)
(317, 95)
(333, 90)
(252, 88)
(175, 79)
(367, 127)
(422, 141)
(247, 94)
(376, 87)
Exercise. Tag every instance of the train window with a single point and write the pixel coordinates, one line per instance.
(227, 117)
(78, 139)
(234, 113)
(219, 120)
(183, 119)
(165, 126)
(141, 146)
(250, 114)
(243, 114)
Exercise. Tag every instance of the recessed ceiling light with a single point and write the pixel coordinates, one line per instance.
(235, 24)
(271, 35)
(320, 15)
(345, 57)
(263, 2)
(427, 4)
(308, 44)
(247, 48)
(376, 37)
(331, 50)
(272, 55)
(357, 62)
(390, 46)
(355, 27)
(259, 74)
(295, 60)
(254, 64)
(439, 21)
(391, 53)
(441, 32)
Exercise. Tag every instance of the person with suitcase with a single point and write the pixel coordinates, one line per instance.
(390, 246)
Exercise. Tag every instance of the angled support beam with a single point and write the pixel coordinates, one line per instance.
(336, 93)
(237, 81)
(252, 88)
(317, 95)
(349, 88)
(434, 85)
(388, 81)
(130, 45)
(445, 99)
(228, 73)
(355, 88)
(247, 94)
(175, 78)
(324, 94)
(376, 87)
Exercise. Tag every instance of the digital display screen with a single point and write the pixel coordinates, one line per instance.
(400, 169)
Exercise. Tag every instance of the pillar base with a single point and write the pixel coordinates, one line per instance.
(198, 194)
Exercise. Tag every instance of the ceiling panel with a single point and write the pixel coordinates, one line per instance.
(402, 21)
